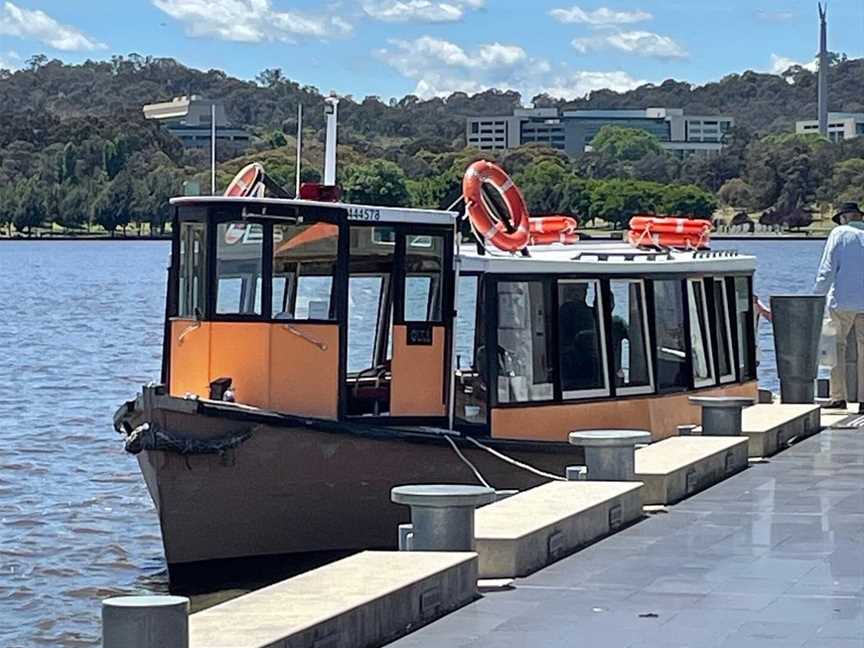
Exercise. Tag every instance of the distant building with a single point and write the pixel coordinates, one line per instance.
(571, 131)
(189, 119)
(841, 126)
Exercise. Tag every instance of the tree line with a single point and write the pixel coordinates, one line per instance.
(75, 150)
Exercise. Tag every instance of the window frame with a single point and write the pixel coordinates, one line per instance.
(333, 310)
(651, 387)
(711, 380)
(549, 284)
(604, 321)
(732, 359)
(748, 372)
(681, 280)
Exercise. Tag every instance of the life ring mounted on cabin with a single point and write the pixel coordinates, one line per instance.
(656, 231)
(246, 182)
(510, 237)
(522, 230)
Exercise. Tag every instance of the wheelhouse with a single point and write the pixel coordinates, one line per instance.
(345, 312)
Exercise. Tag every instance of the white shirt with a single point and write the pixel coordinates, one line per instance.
(841, 271)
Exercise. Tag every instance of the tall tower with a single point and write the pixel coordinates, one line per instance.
(823, 70)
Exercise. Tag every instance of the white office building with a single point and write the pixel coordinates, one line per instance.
(841, 126)
(189, 119)
(572, 130)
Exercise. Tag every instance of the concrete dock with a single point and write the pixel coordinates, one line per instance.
(769, 557)
(365, 600)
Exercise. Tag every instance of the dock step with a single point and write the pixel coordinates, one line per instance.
(368, 599)
(678, 467)
(771, 427)
(519, 535)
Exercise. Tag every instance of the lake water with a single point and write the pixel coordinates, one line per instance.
(81, 331)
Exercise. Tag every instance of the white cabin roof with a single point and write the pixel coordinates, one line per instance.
(364, 213)
(604, 257)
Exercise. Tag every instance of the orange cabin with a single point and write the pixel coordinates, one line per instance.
(342, 312)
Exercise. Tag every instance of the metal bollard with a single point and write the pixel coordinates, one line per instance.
(721, 415)
(406, 537)
(687, 430)
(610, 454)
(797, 324)
(145, 622)
(576, 473)
(442, 515)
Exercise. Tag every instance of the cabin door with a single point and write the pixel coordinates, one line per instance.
(423, 311)
(370, 317)
(397, 350)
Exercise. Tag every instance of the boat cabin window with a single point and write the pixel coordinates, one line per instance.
(304, 266)
(192, 297)
(671, 346)
(369, 301)
(424, 260)
(471, 389)
(745, 328)
(239, 247)
(700, 341)
(632, 370)
(525, 347)
(582, 339)
(723, 330)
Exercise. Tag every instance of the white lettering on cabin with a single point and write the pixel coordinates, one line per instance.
(364, 213)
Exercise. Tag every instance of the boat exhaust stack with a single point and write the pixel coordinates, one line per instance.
(331, 111)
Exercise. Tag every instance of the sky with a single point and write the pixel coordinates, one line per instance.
(391, 48)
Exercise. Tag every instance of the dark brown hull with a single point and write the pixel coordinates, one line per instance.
(296, 488)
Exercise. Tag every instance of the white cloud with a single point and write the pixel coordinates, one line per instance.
(440, 67)
(35, 24)
(599, 17)
(9, 61)
(637, 43)
(251, 21)
(423, 11)
(578, 84)
(779, 64)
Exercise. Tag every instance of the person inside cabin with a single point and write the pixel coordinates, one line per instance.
(841, 277)
(578, 338)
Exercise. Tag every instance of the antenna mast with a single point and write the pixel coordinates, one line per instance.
(823, 70)
(299, 149)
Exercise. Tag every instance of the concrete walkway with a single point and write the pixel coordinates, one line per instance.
(773, 556)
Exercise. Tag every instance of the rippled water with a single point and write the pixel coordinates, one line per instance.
(81, 330)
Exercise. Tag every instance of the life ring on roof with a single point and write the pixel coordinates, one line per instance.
(654, 231)
(510, 237)
(246, 181)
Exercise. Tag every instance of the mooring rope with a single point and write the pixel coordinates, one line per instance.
(518, 464)
(467, 462)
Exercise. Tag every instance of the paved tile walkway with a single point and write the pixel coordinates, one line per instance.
(771, 557)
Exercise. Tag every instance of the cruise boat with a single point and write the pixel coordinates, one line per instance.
(318, 353)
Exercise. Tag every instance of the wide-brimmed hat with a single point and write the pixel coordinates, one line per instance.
(845, 209)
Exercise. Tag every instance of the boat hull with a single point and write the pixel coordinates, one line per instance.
(292, 489)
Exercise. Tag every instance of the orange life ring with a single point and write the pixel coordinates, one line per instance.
(481, 215)
(245, 182)
(669, 232)
(547, 238)
(553, 224)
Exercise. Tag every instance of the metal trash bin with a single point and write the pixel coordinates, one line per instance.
(797, 325)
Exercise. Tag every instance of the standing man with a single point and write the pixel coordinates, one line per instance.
(841, 276)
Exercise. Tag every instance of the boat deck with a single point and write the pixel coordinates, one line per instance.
(769, 557)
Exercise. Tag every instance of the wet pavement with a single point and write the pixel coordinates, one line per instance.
(773, 556)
